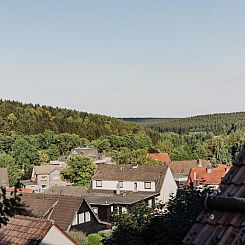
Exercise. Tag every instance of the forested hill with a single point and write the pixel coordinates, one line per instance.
(216, 123)
(29, 119)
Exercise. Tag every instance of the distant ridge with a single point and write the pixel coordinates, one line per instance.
(216, 123)
(30, 119)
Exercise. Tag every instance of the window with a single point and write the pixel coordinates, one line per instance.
(43, 177)
(44, 186)
(87, 217)
(95, 209)
(120, 184)
(147, 185)
(81, 218)
(98, 183)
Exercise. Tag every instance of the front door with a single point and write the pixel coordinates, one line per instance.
(135, 187)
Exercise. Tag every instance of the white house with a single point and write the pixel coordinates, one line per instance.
(116, 187)
(136, 178)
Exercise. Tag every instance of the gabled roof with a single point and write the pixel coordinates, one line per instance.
(128, 172)
(23, 230)
(213, 177)
(59, 208)
(46, 169)
(224, 220)
(186, 166)
(4, 179)
(163, 157)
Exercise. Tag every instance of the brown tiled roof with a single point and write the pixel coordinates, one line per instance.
(186, 166)
(128, 172)
(23, 230)
(225, 222)
(47, 169)
(163, 157)
(4, 180)
(79, 191)
(59, 208)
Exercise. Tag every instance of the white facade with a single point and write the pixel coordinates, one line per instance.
(169, 187)
(124, 185)
(56, 237)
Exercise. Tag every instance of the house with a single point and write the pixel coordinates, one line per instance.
(23, 230)
(181, 169)
(209, 176)
(163, 157)
(91, 153)
(117, 187)
(222, 221)
(69, 212)
(46, 176)
(4, 179)
(85, 151)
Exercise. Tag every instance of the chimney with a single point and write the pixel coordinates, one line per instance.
(118, 189)
(199, 163)
(209, 170)
(194, 179)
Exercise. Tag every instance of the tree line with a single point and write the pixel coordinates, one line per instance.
(216, 123)
(29, 119)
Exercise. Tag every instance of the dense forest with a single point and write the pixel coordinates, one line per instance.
(29, 119)
(215, 123)
(33, 135)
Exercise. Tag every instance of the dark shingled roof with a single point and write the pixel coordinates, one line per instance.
(67, 190)
(59, 208)
(4, 180)
(124, 198)
(23, 230)
(225, 222)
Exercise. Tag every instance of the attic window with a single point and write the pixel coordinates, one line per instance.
(98, 183)
(147, 185)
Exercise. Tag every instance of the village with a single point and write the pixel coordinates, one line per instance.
(114, 189)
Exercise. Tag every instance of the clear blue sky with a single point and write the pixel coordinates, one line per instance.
(125, 58)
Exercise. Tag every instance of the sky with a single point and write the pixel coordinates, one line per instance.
(125, 58)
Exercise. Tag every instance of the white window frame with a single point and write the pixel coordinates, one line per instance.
(147, 183)
(97, 183)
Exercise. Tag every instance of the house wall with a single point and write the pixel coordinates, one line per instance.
(87, 226)
(43, 180)
(55, 179)
(169, 187)
(56, 237)
(127, 185)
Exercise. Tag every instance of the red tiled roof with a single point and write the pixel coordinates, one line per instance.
(223, 224)
(22, 190)
(163, 157)
(212, 178)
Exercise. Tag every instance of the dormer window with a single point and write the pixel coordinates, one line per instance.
(147, 185)
(98, 183)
